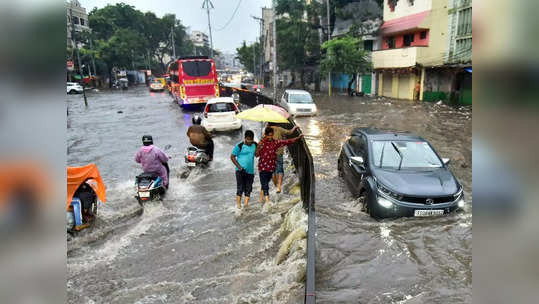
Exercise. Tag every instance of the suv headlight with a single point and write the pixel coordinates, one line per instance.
(458, 194)
(384, 190)
(384, 202)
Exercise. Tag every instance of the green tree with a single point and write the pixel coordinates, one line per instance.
(245, 55)
(345, 55)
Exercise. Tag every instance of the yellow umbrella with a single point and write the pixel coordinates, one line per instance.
(262, 114)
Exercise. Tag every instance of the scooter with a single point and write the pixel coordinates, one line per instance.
(150, 186)
(195, 157)
(85, 186)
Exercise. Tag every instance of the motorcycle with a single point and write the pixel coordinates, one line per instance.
(84, 187)
(150, 187)
(195, 157)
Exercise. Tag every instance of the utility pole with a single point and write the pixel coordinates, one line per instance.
(254, 59)
(261, 21)
(173, 44)
(78, 55)
(329, 38)
(207, 4)
(274, 30)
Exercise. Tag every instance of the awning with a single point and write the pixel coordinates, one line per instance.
(403, 24)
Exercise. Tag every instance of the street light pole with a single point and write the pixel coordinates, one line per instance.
(173, 44)
(329, 38)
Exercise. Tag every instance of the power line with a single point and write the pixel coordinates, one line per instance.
(232, 17)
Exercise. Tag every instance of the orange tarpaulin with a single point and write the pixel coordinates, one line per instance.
(78, 175)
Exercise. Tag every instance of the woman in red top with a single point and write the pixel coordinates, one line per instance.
(266, 151)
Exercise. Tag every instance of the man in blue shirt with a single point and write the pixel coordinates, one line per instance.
(243, 157)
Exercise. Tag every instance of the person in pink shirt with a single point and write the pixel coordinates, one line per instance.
(266, 151)
(153, 159)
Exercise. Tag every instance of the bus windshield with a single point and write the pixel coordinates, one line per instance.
(196, 68)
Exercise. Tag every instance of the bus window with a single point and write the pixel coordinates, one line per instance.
(196, 68)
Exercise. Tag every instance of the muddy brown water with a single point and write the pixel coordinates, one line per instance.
(360, 260)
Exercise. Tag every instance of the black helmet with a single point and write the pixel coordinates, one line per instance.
(147, 140)
(196, 120)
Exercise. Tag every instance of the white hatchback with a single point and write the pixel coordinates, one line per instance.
(298, 103)
(220, 115)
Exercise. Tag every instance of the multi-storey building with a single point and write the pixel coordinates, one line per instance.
(77, 19)
(414, 40)
(200, 39)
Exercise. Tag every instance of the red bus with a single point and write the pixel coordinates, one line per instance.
(193, 80)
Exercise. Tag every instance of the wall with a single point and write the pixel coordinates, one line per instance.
(403, 8)
(438, 22)
(399, 40)
(395, 58)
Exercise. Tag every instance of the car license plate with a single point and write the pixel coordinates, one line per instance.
(428, 212)
(304, 110)
(191, 164)
(144, 194)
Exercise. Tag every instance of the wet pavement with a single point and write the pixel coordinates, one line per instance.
(360, 260)
(193, 247)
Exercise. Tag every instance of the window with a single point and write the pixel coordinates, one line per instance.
(423, 35)
(82, 21)
(408, 39)
(390, 42)
(222, 107)
(368, 45)
(358, 144)
(300, 98)
(75, 20)
(406, 154)
(196, 68)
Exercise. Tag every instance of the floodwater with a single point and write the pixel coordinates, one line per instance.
(193, 247)
(408, 260)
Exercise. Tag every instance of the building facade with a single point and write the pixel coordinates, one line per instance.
(77, 19)
(200, 39)
(414, 38)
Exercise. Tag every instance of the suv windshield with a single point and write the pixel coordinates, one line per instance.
(300, 98)
(404, 155)
(221, 107)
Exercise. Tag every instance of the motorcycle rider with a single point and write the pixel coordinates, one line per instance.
(153, 159)
(200, 137)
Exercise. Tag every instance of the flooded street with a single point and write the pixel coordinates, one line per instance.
(360, 260)
(190, 248)
(194, 248)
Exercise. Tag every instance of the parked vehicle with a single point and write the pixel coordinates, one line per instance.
(193, 80)
(74, 88)
(156, 85)
(398, 174)
(220, 115)
(84, 187)
(298, 103)
(195, 157)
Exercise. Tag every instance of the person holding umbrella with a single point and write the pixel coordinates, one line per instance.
(266, 151)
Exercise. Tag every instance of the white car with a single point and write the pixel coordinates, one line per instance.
(298, 103)
(74, 88)
(156, 85)
(220, 115)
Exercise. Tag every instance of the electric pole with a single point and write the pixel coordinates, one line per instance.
(206, 5)
(173, 44)
(78, 55)
(274, 30)
(329, 38)
(261, 21)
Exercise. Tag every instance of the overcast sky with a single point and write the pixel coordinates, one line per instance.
(190, 12)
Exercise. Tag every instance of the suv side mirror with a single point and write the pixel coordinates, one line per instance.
(446, 161)
(357, 160)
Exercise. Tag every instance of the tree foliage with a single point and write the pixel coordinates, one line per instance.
(246, 53)
(345, 55)
(123, 35)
